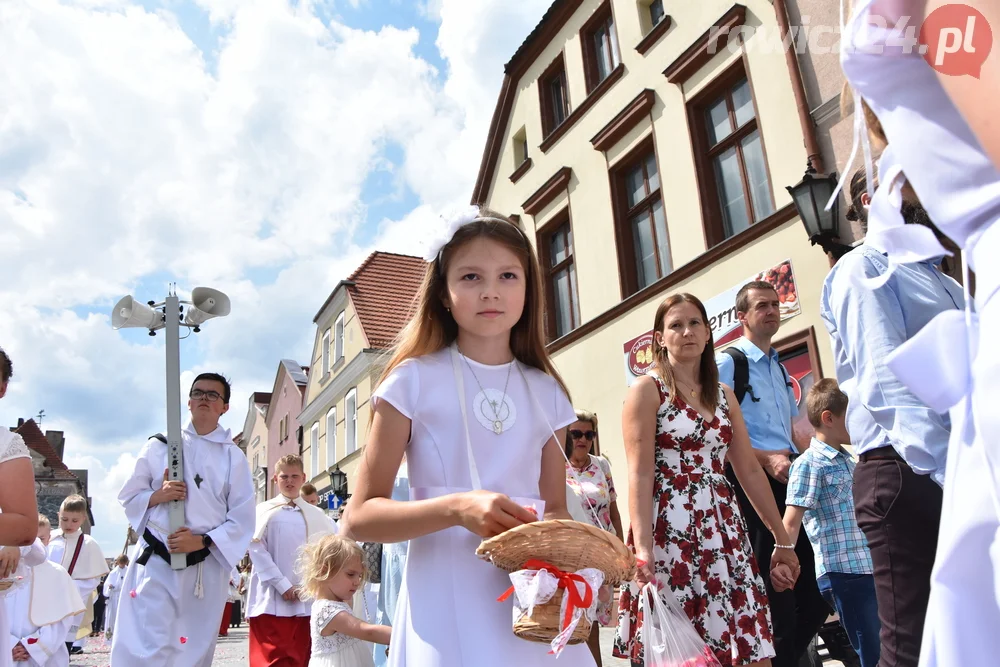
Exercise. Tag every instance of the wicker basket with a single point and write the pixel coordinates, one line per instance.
(543, 624)
(569, 546)
(5, 584)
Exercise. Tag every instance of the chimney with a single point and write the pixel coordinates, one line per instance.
(57, 440)
(20, 422)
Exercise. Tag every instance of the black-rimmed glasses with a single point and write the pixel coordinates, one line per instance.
(210, 396)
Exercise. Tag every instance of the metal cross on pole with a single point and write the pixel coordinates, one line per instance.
(205, 304)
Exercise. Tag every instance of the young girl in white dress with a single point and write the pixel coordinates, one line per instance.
(471, 397)
(332, 572)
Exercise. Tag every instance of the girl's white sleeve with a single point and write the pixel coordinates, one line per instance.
(400, 389)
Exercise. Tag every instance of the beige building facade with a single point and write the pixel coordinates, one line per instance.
(354, 328)
(646, 147)
(254, 440)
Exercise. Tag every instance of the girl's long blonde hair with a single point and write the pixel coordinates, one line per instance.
(432, 327)
(323, 559)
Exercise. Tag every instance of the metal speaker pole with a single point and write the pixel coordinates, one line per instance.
(175, 448)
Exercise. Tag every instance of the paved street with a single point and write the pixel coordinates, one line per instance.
(231, 651)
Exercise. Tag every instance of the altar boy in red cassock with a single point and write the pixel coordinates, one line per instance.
(278, 618)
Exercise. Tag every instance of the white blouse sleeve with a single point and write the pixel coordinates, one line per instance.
(563, 412)
(400, 389)
(14, 448)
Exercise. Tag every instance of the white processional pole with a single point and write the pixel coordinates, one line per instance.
(175, 450)
(205, 304)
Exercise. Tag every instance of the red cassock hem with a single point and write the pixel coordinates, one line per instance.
(279, 641)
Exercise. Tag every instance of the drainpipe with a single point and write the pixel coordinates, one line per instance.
(815, 155)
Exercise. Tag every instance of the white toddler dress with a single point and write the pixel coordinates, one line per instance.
(447, 614)
(337, 650)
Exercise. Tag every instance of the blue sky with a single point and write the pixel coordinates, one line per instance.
(262, 147)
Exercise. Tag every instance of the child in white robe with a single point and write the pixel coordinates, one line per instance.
(42, 610)
(170, 617)
(112, 589)
(81, 556)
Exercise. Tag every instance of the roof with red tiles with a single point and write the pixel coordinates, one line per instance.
(384, 291)
(36, 440)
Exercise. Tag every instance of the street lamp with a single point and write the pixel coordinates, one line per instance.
(338, 481)
(810, 196)
(205, 304)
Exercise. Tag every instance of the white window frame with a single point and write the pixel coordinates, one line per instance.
(314, 446)
(338, 336)
(351, 421)
(326, 353)
(331, 436)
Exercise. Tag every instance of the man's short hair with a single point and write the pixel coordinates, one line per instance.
(74, 503)
(221, 379)
(43, 521)
(288, 461)
(825, 395)
(743, 296)
(307, 489)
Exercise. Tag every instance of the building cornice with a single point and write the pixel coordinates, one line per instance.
(705, 47)
(626, 119)
(549, 191)
(355, 369)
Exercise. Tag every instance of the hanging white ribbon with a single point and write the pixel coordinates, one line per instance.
(536, 587)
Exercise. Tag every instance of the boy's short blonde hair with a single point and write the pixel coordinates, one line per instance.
(323, 559)
(43, 521)
(289, 461)
(307, 489)
(825, 395)
(74, 503)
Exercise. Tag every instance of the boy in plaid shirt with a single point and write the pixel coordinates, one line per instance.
(820, 495)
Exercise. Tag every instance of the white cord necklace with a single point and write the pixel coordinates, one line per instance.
(497, 421)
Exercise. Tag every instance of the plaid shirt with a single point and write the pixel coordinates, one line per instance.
(822, 482)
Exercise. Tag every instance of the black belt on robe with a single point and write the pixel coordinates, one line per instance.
(155, 546)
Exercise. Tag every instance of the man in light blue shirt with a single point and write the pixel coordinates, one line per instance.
(768, 405)
(901, 444)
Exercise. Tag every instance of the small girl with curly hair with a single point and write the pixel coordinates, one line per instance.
(332, 570)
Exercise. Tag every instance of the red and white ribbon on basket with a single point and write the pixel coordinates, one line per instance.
(539, 581)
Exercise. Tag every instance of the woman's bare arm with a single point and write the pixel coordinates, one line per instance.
(19, 520)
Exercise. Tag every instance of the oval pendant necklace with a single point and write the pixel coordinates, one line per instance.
(497, 422)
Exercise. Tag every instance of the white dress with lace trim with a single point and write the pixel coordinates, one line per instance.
(336, 650)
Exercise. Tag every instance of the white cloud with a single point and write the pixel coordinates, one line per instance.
(127, 160)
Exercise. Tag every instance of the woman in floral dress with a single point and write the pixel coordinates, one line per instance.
(686, 530)
(588, 478)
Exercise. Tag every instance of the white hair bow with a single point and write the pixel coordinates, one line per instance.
(446, 229)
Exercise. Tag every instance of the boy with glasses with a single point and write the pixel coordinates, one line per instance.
(169, 617)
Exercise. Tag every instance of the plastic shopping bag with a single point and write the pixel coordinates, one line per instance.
(668, 638)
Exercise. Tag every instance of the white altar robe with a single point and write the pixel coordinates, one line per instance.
(90, 567)
(112, 589)
(171, 617)
(46, 644)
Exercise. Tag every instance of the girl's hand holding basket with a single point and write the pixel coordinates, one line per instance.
(488, 514)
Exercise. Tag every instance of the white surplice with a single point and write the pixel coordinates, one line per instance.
(41, 612)
(169, 617)
(959, 186)
(274, 556)
(89, 568)
(112, 589)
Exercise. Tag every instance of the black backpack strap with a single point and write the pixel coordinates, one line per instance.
(159, 436)
(741, 372)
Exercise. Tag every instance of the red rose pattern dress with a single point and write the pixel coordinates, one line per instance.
(700, 547)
